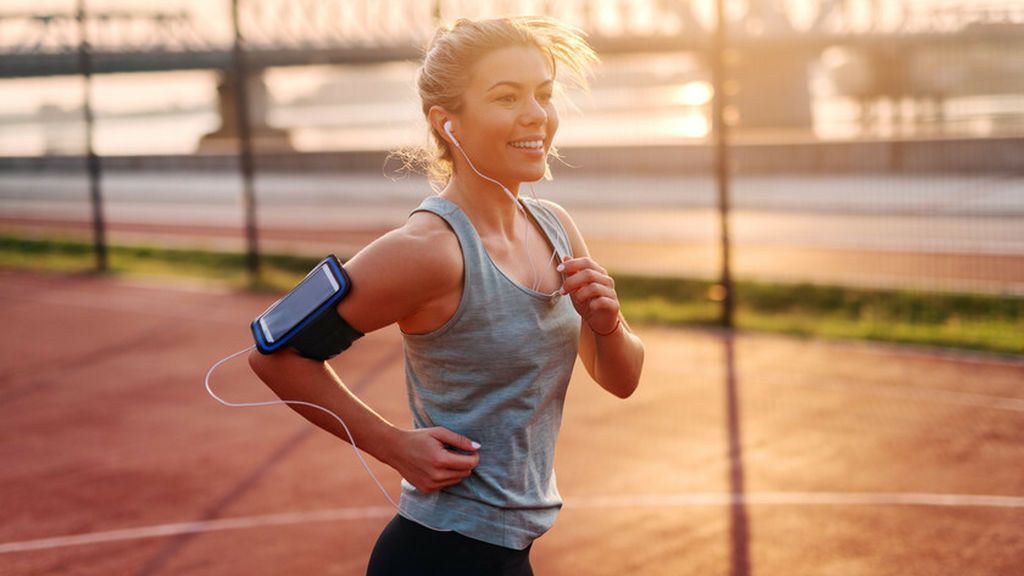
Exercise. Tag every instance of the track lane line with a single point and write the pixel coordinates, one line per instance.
(677, 500)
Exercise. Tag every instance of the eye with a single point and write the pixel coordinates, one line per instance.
(544, 96)
(506, 98)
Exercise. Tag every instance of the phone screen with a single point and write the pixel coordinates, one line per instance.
(288, 312)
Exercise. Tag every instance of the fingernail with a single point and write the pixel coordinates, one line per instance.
(476, 445)
(562, 291)
(561, 268)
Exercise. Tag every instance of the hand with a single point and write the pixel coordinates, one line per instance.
(421, 458)
(593, 293)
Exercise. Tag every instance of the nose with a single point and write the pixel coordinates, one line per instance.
(534, 112)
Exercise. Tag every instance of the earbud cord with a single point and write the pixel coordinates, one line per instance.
(554, 253)
(526, 219)
(311, 405)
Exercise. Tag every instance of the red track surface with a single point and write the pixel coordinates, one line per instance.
(846, 459)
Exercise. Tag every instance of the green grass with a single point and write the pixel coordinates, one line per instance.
(970, 321)
(226, 269)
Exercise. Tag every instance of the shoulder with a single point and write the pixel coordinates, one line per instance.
(401, 272)
(579, 246)
(431, 240)
(423, 244)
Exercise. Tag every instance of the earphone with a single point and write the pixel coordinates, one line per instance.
(526, 237)
(448, 131)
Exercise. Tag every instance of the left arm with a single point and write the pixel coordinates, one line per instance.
(612, 354)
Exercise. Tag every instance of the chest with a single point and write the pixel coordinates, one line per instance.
(528, 260)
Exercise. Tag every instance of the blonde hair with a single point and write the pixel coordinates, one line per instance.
(451, 54)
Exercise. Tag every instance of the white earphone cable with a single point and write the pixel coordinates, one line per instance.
(526, 222)
(554, 253)
(311, 405)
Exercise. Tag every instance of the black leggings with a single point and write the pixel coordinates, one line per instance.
(406, 548)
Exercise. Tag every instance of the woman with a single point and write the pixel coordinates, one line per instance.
(495, 296)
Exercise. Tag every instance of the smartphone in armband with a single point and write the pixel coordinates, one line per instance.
(305, 318)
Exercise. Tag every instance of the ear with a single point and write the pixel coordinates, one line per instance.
(437, 116)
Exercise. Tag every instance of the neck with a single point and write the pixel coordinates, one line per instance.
(486, 204)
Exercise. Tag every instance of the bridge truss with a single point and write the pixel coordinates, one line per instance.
(295, 32)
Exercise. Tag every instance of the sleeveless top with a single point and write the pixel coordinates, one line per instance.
(496, 372)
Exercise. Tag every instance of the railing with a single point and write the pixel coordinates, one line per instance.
(895, 156)
(287, 24)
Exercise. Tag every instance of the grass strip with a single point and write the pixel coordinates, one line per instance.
(969, 321)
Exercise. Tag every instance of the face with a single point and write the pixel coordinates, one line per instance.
(508, 119)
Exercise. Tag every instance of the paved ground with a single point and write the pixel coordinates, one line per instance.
(932, 232)
(738, 455)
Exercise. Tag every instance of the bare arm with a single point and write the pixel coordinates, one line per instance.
(392, 280)
(611, 353)
(293, 377)
(615, 360)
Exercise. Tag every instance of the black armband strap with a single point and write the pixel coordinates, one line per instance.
(326, 336)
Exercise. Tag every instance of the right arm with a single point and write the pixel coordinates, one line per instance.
(394, 279)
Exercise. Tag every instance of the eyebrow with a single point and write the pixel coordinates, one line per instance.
(517, 85)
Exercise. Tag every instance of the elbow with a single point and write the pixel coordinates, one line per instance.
(268, 369)
(629, 384)
(265, 365)
(632, 382)
(621, 385)
(621, 389)
(256, 361)
(627, 390)
(262, 364)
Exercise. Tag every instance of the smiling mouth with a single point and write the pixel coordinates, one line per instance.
(528, 144)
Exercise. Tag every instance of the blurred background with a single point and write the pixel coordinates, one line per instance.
(846, 170)
(870, 172)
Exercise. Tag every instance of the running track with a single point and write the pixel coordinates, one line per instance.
(739, 455)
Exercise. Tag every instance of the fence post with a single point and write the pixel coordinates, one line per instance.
(720, 132)
(245, 147)
(92, 161)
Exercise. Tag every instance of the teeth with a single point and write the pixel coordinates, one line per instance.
(528, 144)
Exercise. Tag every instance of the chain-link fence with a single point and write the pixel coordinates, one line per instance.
(872, 148)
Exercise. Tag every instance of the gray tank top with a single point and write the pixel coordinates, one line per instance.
(497, 373)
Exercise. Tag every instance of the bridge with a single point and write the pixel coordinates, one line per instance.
(772, 44)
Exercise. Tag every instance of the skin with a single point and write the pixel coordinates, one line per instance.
(507, 99)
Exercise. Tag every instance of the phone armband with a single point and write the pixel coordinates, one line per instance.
(306, 318)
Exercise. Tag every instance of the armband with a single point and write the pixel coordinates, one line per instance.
(306, 318)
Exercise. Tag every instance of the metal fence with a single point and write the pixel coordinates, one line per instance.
(831, 161)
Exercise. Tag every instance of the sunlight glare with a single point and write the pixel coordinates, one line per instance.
(689, 126)
(696, 93)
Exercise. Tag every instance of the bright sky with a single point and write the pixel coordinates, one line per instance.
(191, 89)
(137, 91)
